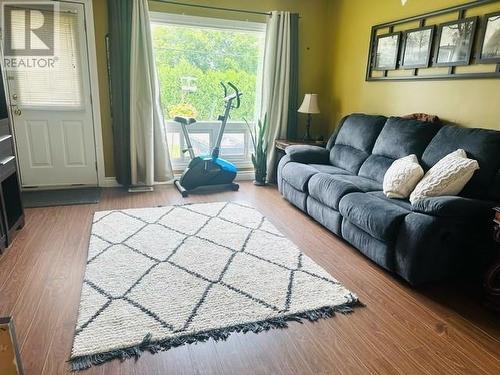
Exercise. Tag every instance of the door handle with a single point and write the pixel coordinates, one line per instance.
(14, 96)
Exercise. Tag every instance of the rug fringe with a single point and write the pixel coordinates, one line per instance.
(84, 362)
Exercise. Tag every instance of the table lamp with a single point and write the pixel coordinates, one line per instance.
(309, 106)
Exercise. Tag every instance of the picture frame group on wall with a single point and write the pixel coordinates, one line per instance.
(459, 42)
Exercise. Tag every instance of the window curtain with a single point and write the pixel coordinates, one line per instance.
(120, 28)
(149, 155)
(293, 104)
(279, 91)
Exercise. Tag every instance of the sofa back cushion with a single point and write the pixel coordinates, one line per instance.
(399, 137)
(352, 143)
(480, 144)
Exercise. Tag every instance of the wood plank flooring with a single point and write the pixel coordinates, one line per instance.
(439, 329)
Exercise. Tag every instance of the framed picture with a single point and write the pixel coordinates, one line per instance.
(490, 41)
(386, 51)
(455, 41)
(417, 44)
(10, 360)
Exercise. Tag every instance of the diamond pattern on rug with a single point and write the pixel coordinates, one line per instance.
(238, 308)
(241, 275)
(202, 257)
(234, 235)
(278, 250)
(210, 209)
(116, 227)
(166, 276)
(147, 239)
(126, 267)
(92, 302)
(242, 215)
(184, 221)
(170, 293)
(97, 246)
(113, 327)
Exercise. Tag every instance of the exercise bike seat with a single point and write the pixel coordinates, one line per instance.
(184, 120)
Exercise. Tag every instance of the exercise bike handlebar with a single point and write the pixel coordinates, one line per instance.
(236, 95)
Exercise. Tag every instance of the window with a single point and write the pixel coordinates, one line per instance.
(193, 55)
(59, 86)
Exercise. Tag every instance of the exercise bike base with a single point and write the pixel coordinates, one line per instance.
(205, 188)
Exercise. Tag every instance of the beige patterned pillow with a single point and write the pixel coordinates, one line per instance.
(447, 177)
(402, 177)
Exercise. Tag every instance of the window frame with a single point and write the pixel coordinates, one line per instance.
(211, 127)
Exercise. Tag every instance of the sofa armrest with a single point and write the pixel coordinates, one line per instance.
(308, 154)
(452, 206)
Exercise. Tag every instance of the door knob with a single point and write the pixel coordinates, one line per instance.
(14, 96)
(17, 111)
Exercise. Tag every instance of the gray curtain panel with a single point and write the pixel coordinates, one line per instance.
(150, 159)
(276, 83)
(293, 104)
(120, 26)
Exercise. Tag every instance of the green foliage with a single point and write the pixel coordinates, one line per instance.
(259, 155)
(210, 56)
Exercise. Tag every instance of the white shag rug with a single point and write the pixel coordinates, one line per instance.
(161, 277)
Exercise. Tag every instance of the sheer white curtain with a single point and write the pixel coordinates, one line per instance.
(150, 160)
(276, 82)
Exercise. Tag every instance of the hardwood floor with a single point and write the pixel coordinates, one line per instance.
(433, 330)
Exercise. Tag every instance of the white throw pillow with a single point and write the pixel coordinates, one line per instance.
(402, 177)
(447, 177)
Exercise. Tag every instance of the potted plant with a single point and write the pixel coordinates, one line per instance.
(259, 155)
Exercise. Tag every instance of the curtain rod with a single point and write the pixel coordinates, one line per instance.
(214, 8)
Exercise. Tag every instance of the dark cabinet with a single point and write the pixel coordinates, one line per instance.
(11, 208)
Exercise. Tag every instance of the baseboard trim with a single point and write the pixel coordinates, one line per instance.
(110, 182)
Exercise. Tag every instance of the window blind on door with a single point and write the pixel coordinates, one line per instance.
(39, 84)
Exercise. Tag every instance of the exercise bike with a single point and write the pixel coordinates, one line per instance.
(209, 172)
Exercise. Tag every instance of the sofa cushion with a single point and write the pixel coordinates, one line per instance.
(379, 218)
(328, 189)
(362, 183)
(403, 203)
(480, 144)
(294, 196)
(298, 175)
(354, 141)
(327, 216)
(399, 137)
(380, 252)
(324, 168)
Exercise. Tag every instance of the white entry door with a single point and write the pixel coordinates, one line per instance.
(51, 107)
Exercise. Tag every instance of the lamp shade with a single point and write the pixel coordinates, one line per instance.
(310, 104)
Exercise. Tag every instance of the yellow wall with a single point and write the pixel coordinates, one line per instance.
(474, 103)
(313, 54)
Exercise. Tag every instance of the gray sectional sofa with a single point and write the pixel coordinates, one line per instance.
(340, 186)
